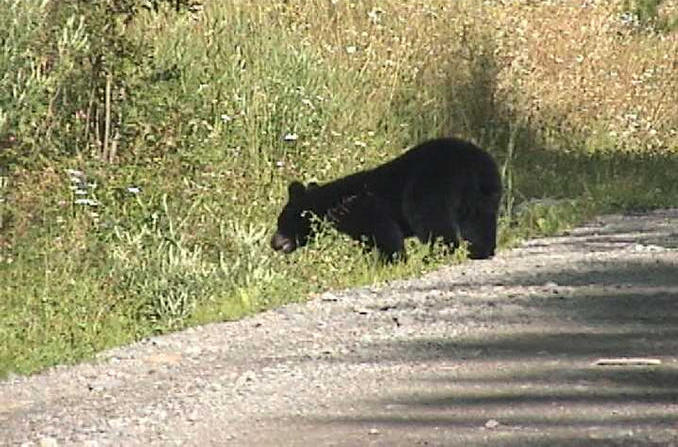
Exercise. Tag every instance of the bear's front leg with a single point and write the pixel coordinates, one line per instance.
(389, 239)
(367, 218)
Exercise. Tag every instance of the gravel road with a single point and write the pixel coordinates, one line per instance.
(497, 352)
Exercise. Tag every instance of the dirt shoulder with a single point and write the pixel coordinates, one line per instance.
(495, 352)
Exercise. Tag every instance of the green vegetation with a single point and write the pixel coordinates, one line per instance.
(645, 14)
(145, 151)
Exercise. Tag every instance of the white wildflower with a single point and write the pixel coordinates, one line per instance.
(307, 102)
(74, 173)
(375, 15)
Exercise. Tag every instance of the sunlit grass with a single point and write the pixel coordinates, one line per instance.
(212, 113)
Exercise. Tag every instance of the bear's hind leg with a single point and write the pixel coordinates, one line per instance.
(431, 207)
(480, 230)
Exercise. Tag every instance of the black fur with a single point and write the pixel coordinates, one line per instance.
(444, 188)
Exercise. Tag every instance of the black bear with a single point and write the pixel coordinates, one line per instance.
(444, 188)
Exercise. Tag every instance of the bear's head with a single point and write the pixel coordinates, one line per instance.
(294, 222)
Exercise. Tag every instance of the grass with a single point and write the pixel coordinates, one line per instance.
(144, 155)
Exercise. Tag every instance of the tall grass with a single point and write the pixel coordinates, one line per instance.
(145, 153)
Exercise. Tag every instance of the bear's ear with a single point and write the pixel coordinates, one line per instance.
(296, 190)
(312, 185)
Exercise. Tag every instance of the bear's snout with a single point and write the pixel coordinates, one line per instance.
(282, 243)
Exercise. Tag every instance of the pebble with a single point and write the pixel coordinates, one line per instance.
(48, 442)
(492, 423)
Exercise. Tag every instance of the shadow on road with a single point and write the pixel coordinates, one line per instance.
(526, 374)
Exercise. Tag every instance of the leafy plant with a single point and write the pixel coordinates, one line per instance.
(645, 14)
